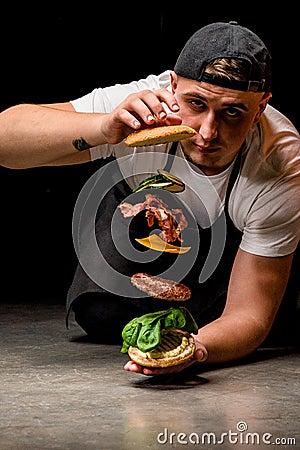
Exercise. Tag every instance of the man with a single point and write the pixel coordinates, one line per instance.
(242, 164)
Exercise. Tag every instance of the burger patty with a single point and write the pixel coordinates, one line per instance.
(161, 288)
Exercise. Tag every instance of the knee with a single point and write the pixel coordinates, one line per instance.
(98, 318)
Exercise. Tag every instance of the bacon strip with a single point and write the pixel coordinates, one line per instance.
(171, 222)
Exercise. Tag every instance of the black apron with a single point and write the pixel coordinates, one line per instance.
(208, 297)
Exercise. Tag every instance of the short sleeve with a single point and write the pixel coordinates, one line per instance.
(272, 225)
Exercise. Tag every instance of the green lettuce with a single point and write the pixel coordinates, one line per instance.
(145, 332)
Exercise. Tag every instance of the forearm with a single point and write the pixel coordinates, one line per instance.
(255, 292)
(37, 135)
(33, 135)
(231, 338)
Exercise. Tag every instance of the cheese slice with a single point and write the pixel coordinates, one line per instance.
(154, 242)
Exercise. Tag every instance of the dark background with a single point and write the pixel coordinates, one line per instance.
(54, 53)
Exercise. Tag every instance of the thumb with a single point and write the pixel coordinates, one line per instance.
(201, 353)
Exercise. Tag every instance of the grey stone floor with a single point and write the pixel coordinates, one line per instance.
(59, 391)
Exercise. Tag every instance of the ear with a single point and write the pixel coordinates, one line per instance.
(174, 81)
(262, 106)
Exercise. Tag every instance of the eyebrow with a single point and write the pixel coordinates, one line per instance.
(235, 105)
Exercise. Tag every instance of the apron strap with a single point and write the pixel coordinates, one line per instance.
(233, 177)
(171, 156)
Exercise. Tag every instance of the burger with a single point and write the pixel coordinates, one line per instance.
(161, 338)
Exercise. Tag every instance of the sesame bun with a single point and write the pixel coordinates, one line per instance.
(159, 135)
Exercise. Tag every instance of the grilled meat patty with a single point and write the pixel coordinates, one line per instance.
(162, 288)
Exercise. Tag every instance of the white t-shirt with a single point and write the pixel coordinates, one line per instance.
(265, 200)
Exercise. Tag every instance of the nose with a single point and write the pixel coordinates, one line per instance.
(208, 128)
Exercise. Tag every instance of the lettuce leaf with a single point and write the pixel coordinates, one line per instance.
(144, 332)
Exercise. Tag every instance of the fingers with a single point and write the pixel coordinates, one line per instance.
(139, 110)
(133, 367)
(149, 108)
(201, 353)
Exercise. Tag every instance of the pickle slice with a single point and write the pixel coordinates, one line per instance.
(164, 180)
(170, 177)
(155, 184)
(147, 182)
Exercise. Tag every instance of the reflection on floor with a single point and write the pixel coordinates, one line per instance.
(59, 391)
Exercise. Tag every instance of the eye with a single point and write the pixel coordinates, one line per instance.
(232, 112)
(197, 104)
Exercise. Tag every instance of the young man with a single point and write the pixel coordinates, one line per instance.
(241, 171)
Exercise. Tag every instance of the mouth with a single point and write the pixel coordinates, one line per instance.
(205, 149)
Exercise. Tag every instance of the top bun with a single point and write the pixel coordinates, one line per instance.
(159, 135)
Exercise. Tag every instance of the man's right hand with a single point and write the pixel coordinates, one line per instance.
(140, 110)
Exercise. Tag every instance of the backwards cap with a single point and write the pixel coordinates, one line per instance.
(226, 40)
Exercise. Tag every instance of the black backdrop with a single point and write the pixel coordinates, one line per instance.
(54, 53)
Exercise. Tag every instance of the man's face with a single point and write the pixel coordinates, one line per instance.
(222, 118)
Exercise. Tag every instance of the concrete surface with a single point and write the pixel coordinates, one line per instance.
(59, 391)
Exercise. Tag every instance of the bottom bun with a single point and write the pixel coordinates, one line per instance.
(176, 347)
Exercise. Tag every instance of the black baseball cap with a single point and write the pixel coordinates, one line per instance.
(226, 40)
